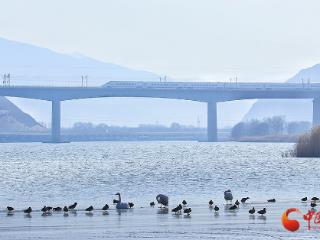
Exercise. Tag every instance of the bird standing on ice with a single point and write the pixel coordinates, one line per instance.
(228, 196)
(121, 205)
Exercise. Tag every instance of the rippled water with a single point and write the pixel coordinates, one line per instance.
(90, 173)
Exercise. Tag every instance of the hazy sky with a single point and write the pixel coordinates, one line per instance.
(255, 40)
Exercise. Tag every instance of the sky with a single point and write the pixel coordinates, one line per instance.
(200, 40)
(253, 40)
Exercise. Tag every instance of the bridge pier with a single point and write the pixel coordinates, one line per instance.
(212, 129)
(56, 121)
(316, 112)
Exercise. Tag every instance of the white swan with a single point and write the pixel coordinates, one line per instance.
(121, 205)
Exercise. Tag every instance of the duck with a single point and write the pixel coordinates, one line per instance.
(28, 210)
(57, 209)
(263, 211)
(73, 206)
(228, 196)
(65, 209)
(271, 200)
(10, 209)
(105, 207)
(252, 211)
(115, 201)
(131, 204)
(243, 200)
(152, 204)
(233, 207)
(237, 203)
(177, 209)
(314, 199)
(210, 203)
(313, 204)
(184, 203)
(121, 205)
(89, 209)
(187, 211)
(304, 199)
(216, 208)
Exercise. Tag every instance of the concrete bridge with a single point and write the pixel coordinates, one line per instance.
(210, 93)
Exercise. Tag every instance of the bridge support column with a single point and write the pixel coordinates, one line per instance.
(212, 129)
(56, 121)
(316, 112)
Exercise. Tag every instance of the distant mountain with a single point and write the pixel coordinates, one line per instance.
(292, 110)
(34, 65)
(12, 119)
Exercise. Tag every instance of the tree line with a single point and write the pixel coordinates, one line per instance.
(273, 126)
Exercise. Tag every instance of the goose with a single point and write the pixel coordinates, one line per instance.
(10, 209)
(28, 210)
(243, 200)
(105, 207)
(252, 211)
(121, 205)
(263, 211)
(228, 196)
(304, 199)
(187, 211)
(210, 203)
(73, 206)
